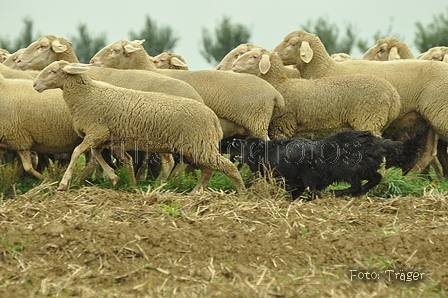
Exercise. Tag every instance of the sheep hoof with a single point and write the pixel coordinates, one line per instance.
(115, 181)
(62, 187)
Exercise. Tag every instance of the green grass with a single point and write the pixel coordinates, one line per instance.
(14, 245)
(14, 182)
(395, 184)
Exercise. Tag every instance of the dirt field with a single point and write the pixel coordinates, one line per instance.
(93, 242)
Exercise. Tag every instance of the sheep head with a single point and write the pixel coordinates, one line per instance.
(10, 61)
(53, 76)
(436, 54)
(169, 60)
(388, 49)
(340, 57)
(255, 61)
(44, 51)
(295, 46)
(118, 54)
(227, 61)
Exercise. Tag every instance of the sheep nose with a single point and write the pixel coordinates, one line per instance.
(92, 61)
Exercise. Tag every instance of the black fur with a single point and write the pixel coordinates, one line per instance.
(350, 156)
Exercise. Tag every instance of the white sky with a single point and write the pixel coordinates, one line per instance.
(269, 21)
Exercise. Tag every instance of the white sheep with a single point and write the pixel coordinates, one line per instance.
(34, 122)
(168, 60)
(422, 85)
(10, 73)
(152, 121)
(361, 102)
(227, 61)
(436, 54)
(340, 57)
(245, 100)
(49, 48)
(11, 60)
(388, 49)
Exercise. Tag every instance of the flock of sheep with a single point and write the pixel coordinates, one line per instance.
(131, 105)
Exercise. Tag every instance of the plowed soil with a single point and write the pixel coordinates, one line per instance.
(94, 242)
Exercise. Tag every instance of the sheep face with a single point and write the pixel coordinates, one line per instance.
(292, 47)
(227, 61)
(380, 53)
(169, 60)
(10, 61)
(162, 61)
(255, 62)
(53, 76)
(436, 54)
(49, 78)
(39, 54)
(116, 55)
(388, 49)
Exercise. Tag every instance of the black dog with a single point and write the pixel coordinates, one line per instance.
(350, 156)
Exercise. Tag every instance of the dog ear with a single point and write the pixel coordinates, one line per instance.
(256, 146)
(236, 143)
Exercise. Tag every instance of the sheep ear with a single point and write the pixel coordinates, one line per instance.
(130, 48)
(306, 53)
(177, 62)
(393, 54)
(265, 64)
(137, 42)
(445, 58)
(58, 47)
(75, 68)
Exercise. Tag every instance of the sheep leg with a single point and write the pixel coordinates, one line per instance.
(167, 165)
(80, 149)
(107, 169)
(143, 166)
(179, 168)
(25, 156)
(206, 175)
(127, 160)
(443, 156)
(224, 165)
(88, 170)
(428, 152)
